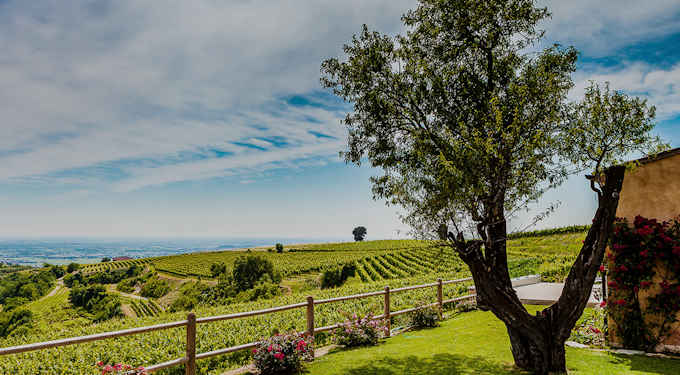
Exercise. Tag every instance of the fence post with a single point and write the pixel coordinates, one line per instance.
(440, 295)
(191, 344)
(388, 322)
(310, 316)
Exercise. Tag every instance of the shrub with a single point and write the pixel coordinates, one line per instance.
(217, 269)
(72, 267)
(16, 322)
(590, 328)
(336, 276)
(127, 285)
(249, 269)
(94, 299)
(120, 369)
(155, 288)
(359, 331)
(283, 354)
(279, 247)
(426, 317)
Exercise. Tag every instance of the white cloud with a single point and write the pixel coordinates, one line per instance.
(659, 86)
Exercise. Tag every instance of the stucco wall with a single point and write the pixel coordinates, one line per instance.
(652, 190)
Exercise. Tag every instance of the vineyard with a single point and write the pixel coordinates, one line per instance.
(379, 263)
(145, 308)
(110, 266)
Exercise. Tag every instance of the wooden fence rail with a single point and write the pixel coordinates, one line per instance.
(191, 356)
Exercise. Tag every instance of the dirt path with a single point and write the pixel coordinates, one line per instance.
(112, 288)
(60, 284)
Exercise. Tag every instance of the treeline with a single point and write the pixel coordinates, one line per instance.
(108, 277)
(550, 232)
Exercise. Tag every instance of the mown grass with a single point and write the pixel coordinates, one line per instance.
(471, 343)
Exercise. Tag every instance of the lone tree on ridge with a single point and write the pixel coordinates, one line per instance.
(359, 233)
(469, 121)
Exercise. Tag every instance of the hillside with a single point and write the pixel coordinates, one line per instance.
(379, 263)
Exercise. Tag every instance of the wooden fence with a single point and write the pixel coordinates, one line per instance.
(190, 323)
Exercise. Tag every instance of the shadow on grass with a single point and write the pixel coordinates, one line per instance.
(662, 366)
(437, 364)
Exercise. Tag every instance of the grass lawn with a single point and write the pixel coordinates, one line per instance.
(471, 343)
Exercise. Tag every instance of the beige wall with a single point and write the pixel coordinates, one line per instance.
(652, 190)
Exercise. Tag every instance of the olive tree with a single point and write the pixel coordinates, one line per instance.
(469, 121)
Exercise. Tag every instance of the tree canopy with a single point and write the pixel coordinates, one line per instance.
(359, 233)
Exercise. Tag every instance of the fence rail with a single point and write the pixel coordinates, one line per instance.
(190, 323)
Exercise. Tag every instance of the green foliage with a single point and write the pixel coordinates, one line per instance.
(250, 268)
(95, 301)
(106, 259)
(108, 277)
(425, 317)
(550, 232)
(72, 267)
(336, 276)
(607, 126)
(359, 233)
(21, 287)
(57, 271)
(16, 322)
(217, 269)
(639, 253)
(279, 247)
(155, 288)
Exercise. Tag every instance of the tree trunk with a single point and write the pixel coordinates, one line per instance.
(537, 342)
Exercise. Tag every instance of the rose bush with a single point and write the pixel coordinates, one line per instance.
(283, 353)
(120, 369)
(359, 331)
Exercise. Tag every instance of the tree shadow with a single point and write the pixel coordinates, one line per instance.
(662, 366)
(437, 364)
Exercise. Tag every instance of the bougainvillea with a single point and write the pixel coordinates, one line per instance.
(639, 254)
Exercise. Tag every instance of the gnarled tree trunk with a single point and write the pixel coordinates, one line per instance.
(537, 342)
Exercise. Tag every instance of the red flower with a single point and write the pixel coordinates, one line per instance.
(621, 302)
(279, 356)
(645, 284)
(602, 268)
(644, 253)
(269, 349)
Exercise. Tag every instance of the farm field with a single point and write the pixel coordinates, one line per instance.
(379, 263)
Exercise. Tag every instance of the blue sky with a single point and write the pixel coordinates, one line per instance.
(204, 118)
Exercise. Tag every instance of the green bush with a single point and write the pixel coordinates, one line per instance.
(155, 288)
(426, 317)
(279, 248)
(72, 267)
(94, 299)
(249, 269)
(217, 269)
(15, 322)
(336, 276)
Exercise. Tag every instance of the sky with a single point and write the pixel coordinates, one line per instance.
(206, 118)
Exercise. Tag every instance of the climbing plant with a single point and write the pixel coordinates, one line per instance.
(641, 253)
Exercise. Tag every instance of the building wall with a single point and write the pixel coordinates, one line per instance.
(652, 190)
